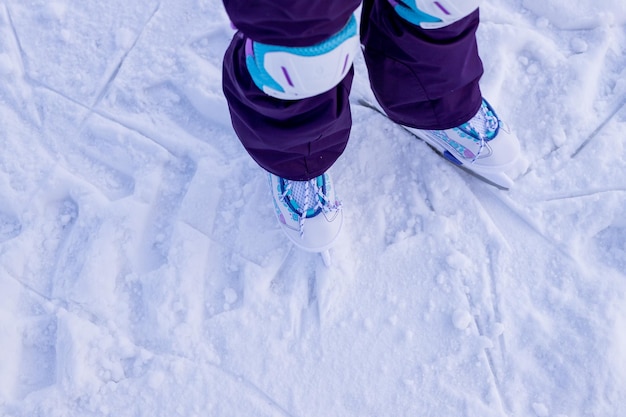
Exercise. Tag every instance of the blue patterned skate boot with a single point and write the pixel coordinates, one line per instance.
(308, 211)
(482, 146)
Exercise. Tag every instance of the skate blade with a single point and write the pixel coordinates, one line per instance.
(326, 258)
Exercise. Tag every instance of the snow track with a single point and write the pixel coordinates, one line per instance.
(142, 272)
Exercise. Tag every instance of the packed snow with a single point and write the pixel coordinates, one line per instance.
(142, 272)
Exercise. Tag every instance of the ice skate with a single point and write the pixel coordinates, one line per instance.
(308, 211)
(483, 145)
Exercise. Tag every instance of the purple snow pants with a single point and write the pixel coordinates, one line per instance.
(423, 78)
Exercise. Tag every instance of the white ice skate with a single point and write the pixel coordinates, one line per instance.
(483, 146)
(308, 212)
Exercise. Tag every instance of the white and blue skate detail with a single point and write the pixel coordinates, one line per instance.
(430, 14)
(293, 73)
(308, 212)
(471, 135)
(483, 146)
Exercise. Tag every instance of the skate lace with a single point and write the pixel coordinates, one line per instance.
(484, 126)
(307, 199)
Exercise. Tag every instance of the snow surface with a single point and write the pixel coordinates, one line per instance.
(142, 272)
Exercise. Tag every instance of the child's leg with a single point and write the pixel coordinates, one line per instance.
(294, 138)
(424, 69)
(423, 78)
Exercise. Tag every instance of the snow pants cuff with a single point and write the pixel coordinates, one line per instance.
(423, 78)
(294, 139)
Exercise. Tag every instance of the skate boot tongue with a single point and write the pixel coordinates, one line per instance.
(485, 124)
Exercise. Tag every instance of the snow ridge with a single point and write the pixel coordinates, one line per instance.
(142, 272)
